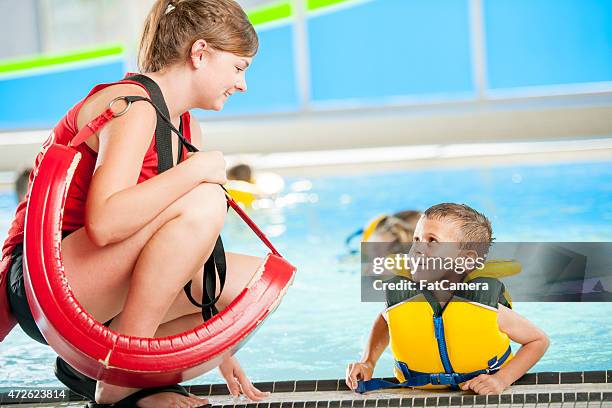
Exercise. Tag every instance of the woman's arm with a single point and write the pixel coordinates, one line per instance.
(116, 205)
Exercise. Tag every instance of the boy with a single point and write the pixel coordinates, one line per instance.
(467, 343)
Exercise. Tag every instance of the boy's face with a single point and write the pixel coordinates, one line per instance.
(435, 239)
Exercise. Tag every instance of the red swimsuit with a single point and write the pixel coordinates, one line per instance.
(74, 210)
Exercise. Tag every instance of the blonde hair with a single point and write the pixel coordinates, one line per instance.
(172, 27)
(400, 225)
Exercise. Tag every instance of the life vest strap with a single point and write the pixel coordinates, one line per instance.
(419, 379)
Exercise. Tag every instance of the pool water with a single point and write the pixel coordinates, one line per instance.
(322, 325)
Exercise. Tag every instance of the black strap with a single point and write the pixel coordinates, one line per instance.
(163, 134)
(216, 263)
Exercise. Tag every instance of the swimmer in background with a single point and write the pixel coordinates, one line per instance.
(246, 187)
(21, 184)
(397, 228)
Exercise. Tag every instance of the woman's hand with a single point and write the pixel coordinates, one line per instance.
(209, 165)
(237, 381)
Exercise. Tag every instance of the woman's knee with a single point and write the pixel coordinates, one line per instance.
(204, 207)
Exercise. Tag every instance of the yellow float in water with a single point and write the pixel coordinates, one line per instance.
(262, 185)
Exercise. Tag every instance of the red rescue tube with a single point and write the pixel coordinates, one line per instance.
(96, 350)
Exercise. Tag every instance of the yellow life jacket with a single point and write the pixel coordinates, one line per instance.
(449, 344)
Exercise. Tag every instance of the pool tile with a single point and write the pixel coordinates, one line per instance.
(284, 386)
(299, 404)
(275, 405)
(556, 397)
(310, 404)
(543, 398)
(342, 386)
(547, 378)
(571, 378)
(218, 389)
(456, 401)
(358, 403)
(286, 404)
(606, 396)
(305, 385)
(594, 396)
(322, 404)
(267, 386)
(527, 379)
(505, 399)
(492, 399)
(443, 401)
(569, 396)
(406, 402)
(431, 401)
(468, 399)
(480, 399)
(382, 403)
(418, 402)
(394, 402)
(370, 403)
(334, 404)
(597, 377)
(199, 389)
(518, 398)
(346, 404)
(327, 385)
(582, 396)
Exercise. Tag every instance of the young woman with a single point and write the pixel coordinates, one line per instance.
(132, 237)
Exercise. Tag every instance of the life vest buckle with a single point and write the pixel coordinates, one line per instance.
(444, 379)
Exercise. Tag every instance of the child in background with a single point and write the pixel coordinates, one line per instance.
(21, 184)
(395, 228)
(246, 187)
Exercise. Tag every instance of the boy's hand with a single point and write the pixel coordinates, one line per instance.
(485, 384)
(358, 371)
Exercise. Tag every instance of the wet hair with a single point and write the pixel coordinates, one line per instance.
(21, 184)
(474, 227)
(172, 27)
(400, 225)
(240, 172)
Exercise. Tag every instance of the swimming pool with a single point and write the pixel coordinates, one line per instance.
(322, 325)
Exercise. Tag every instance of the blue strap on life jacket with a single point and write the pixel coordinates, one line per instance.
(419, 379)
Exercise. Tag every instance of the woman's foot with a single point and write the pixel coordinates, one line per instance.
(109, 394)
(171, 399)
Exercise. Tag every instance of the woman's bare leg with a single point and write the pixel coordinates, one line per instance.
(100, 277)
(92, 271)
(240, 270)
